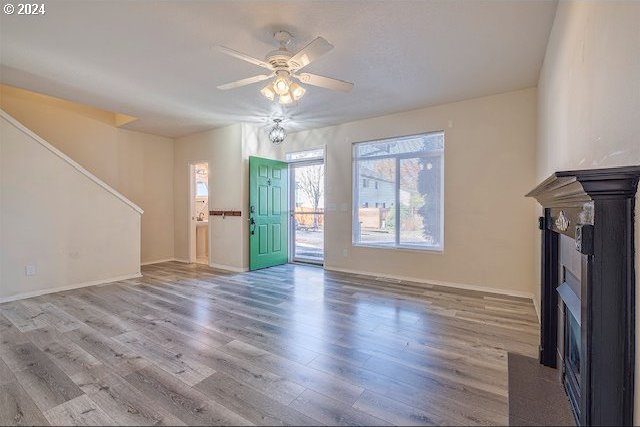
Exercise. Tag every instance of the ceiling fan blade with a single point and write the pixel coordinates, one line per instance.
(326, 82)
(309, 53)
(244, 57)
(244, 82)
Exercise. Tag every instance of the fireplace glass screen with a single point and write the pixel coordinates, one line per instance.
(573, 345)
(572, 359)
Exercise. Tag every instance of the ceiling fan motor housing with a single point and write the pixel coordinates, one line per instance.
(278, 58)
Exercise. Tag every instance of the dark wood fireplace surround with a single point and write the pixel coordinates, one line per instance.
(596, 208)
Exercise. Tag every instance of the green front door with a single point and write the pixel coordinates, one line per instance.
(268, 183)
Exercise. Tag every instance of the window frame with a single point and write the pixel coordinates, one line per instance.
(290, 154)
(355, 202)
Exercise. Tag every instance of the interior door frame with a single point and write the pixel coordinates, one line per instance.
(292, 205)
(191, 222)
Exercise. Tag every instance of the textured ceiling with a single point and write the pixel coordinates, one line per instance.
(154, 60)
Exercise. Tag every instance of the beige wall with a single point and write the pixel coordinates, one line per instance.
(54, 217)
(138, 165)
(489, 166)
(227, 150)
(222, 149)
(589, 96)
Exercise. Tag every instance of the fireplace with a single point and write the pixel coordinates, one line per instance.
(587, 293)
(571, 371)
(569, 336)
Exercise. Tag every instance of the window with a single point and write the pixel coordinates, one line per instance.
(299, 156)
(201, 189)
(408, 176)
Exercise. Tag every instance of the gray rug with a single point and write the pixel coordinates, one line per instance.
(536, 395)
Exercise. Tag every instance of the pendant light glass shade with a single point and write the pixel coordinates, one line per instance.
(281, 86)
(268, 92)
(285, 99)
(284, 89)
(296, 91)
(277, 134)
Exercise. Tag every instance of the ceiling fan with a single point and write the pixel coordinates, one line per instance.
(285, 66)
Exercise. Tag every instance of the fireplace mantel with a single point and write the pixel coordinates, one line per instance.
(596, 208)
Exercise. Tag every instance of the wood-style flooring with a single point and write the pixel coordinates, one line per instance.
(296, 345)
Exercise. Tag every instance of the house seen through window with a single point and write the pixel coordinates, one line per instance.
(403, 179)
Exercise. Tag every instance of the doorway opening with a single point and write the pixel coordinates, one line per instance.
(306, 201)
(199, 218)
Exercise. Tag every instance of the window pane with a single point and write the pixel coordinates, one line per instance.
(201, 189)
(309, 181)
(308, 217)
(398, 192)
(420, 198)
(376, 201)
(317, 153)
(396, 146)
(309, 230)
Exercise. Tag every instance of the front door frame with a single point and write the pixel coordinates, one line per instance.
(292, 206)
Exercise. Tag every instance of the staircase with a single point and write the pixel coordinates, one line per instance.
(60, 226)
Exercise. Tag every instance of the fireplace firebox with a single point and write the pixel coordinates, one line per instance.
(587, 289)
(569, 340)
(571, 374)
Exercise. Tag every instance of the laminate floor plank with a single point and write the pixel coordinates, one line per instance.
(250, 403)
(333, 412)
(186, 403)
(81, 411)
(127, 406)
(110, 352)
(175, 362)
(40, 377)
(287, 345)
(20, 317)
(307, 377)
(10, 335)
(440, 405)
(17, 408)
(395, 412)
(6, 376)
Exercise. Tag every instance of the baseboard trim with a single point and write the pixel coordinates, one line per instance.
(229, 268)
(158, 261)
(511, 293)
(25, 295)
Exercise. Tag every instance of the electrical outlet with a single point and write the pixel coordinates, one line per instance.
(345, 252)
(30, 270)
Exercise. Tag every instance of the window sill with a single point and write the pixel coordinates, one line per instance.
(409, 248)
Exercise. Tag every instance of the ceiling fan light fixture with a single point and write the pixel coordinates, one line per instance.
(268, 92)
(297, 91)
(281, 86)
(285, 99)
(284, 67)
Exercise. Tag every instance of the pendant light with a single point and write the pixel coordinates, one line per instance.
(277, 133)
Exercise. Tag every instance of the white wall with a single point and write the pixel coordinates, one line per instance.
(489, 166)
(589, 96)
(138, 165)
(56, 218)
